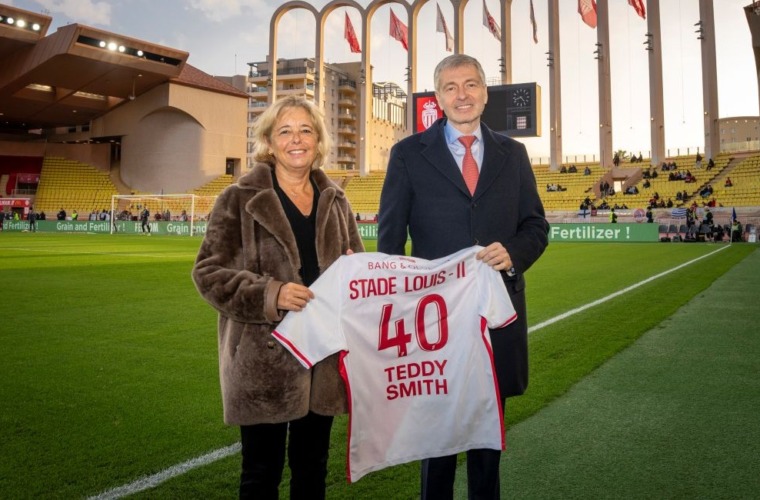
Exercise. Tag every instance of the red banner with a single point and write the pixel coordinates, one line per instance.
(14, 202)
(28, 178)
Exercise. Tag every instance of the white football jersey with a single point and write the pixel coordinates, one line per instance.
(417, 358)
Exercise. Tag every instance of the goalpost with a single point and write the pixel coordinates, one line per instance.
(181, 214)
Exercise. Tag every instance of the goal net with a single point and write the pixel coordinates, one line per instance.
(181, 214)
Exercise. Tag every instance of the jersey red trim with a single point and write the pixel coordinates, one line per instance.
(293, 349)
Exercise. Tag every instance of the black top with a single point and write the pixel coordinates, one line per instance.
(304, 228)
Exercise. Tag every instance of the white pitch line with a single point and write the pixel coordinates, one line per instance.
(179, 469)
(618, 293)
(145, 483)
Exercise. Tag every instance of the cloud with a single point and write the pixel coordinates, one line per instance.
(222, 10)
(81, 11)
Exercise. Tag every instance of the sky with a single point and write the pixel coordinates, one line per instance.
(222, 36)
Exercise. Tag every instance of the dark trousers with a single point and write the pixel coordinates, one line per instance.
(482, 475)
(263, 448)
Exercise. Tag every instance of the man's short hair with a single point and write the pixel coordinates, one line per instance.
(455, 61)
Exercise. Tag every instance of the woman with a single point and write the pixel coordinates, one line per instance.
(268, 238)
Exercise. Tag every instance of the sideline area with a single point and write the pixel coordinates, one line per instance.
(675, 415)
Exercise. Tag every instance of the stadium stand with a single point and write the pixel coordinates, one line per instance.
(72, 185)
(577, 185)
(364, 192)
(745, 175)
(214, 187)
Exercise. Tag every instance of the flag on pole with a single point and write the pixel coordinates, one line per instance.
(350, 35)
(733, 215)
(638, 6)
(587, 10)
(533, 22)
(398, 30)
(441, 27)
(490, 23)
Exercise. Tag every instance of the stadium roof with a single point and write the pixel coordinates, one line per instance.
(78, 73)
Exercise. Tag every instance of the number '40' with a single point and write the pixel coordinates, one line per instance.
(402, 338)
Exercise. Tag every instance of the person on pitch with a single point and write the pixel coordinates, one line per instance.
(269, 237)
(455, 185)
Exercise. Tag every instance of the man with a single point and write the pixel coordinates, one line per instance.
(145, 220)
(32, 218)
(426, 194)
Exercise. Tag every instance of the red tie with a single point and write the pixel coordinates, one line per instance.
(469, 165)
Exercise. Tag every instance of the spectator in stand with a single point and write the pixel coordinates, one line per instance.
(572, 169)
(183, 216)
(61, 214)
(283, 211)
(710, 164)
(698, 162)
(563, 170)
(650, 215)
(647, 184)
(42, 216)
(669, 204)
(616, 160)
(167, 215)
(729, 183)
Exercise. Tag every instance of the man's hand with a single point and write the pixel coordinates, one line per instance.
(496, 256)
(293, 297)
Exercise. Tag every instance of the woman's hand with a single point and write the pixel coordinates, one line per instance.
(293, 297)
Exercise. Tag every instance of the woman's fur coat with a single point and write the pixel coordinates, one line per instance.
(248, 253)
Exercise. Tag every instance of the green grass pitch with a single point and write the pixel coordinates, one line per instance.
(108, 369)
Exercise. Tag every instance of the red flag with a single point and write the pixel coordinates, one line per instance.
(490, 23)
(398, 30)
(350, 35)
(533, 22)
(638, 6)
(441, 27)
(587, 10)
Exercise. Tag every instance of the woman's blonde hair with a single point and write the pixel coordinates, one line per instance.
(262, 129)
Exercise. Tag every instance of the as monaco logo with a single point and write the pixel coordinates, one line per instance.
(429, 114)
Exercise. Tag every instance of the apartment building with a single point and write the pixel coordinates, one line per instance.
(341, 102)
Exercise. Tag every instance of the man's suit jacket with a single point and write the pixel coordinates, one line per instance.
(424, 193)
